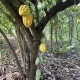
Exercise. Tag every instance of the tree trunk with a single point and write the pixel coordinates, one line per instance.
(34, 54)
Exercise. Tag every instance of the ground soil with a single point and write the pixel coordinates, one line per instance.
(58, 67)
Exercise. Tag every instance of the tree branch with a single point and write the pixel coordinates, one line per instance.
(1, 10)
(33, 1)
(13, 9)
(8, 29)
(13, 51)
(37, 12)
(60, 6)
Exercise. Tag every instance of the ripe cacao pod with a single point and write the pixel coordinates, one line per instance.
(27, 20)
(42, 47)
(24, 10)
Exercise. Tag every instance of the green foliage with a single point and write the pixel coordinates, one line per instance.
(3, 51)
(67, 29)
(63, 49)
(39, 59)
(5, 23)
(1, 42)
(78, 8)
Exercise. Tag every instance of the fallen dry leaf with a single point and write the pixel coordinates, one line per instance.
(16, 75)
(8, 76)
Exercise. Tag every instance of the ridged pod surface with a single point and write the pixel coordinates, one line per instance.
(42, 47)
(24, 10)
(27, 20)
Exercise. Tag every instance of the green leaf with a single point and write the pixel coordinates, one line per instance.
(40, 58)
(78, 7)
(63, 0)
(37, 61)
(38, 74)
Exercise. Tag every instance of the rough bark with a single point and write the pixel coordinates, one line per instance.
(14, 54)
(34, 54)
(60, 6)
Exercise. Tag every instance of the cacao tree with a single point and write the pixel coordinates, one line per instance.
(32, 35)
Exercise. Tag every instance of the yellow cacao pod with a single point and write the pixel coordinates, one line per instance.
(24, 10)
(42, 47)
(27, 20)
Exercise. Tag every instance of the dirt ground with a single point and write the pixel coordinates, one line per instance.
(60, 67)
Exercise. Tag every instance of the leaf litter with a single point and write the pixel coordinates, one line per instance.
(60, 67)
